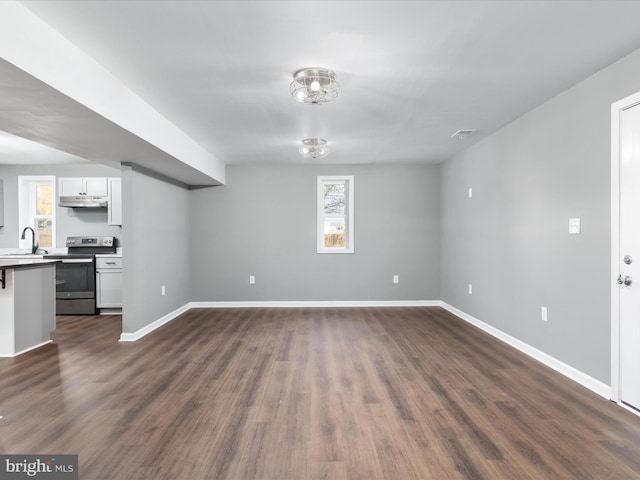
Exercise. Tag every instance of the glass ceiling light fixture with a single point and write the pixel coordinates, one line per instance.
(314, 85)
(314, 148)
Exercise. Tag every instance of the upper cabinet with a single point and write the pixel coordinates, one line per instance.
(1, 204)
(96, 187)
(115, 201)
(92, 186)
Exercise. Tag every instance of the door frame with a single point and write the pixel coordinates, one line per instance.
(616, 109)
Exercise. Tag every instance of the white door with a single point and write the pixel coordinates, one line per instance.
(629, 261)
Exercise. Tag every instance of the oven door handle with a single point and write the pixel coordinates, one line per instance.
(77, 260)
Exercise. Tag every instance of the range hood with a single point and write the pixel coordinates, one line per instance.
(83, 201)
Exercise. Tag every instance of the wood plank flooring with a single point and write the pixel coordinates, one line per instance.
(302, 393)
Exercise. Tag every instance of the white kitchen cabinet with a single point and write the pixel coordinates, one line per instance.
(1, 204)
(114, 215)
(109, 288)
(109, 282)
(74, 186)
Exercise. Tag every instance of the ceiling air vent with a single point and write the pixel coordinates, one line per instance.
(463, 133)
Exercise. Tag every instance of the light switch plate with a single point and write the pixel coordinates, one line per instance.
(574, 226)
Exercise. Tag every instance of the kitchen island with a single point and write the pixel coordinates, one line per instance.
(27, 304)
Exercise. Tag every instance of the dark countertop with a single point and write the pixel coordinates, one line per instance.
(25, 263)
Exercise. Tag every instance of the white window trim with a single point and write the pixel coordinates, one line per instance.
(25, 184)
(349, 180)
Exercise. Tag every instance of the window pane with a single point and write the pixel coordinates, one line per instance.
(334, 214)
(43, 199)
(334, 198)
(334, 232)
(44, 227)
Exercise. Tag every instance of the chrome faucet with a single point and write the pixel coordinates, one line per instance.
(34, 244)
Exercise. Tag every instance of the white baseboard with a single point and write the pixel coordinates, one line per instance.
(582, 378)
(9, 355)
(137, 335)
(339, 303)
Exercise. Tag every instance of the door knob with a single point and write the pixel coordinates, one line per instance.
(626, 280)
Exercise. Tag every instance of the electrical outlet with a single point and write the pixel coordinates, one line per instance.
(470, 192)
(396, 279)
(252, 279)
(163, 290)
(470, 289)
(543, 314)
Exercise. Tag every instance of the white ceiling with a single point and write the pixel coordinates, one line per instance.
(19, 151)
(410, 73)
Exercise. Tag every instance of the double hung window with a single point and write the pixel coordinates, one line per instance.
(335, 214)
(37, 209)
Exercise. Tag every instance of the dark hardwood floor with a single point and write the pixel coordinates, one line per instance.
(302, 393)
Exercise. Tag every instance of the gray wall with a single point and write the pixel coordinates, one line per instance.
(263, 223)
(69, 221)
(511, 239)
(157, 249)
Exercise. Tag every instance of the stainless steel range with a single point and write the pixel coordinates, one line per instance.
(76, 274)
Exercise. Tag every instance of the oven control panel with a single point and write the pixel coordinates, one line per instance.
(90, 241)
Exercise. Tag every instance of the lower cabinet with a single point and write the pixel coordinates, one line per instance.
(109, 282)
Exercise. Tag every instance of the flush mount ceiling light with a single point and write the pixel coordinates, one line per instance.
(314, 148)
(314, 85)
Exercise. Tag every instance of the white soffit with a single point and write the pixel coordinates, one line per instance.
(16, 150)
(60, 75)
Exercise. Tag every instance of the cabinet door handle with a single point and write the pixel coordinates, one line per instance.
(110, 263)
